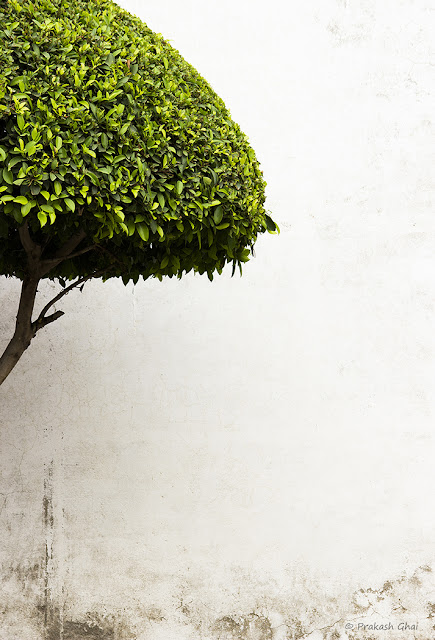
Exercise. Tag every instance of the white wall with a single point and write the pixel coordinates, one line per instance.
(260, 445)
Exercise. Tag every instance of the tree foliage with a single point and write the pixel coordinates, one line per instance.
(117, 159)
(106, 131)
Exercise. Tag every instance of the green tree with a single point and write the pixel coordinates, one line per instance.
(117, 159)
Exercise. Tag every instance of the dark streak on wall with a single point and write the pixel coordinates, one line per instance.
(50, 613)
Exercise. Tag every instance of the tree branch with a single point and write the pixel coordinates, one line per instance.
(63, 293)
(32, 249)
(79, 253)
(70, 245)
(48, 264)
(42, 322)
(110, 254)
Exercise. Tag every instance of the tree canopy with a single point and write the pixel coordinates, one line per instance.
(106, 132)
(117, 159)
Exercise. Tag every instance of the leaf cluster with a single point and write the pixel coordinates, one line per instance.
(104, 128)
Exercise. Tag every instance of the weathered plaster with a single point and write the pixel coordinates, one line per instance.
(250, 459)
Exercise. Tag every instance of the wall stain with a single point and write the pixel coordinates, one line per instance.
(250, 627)
(71, 630)
(48, 520)
(407, 599)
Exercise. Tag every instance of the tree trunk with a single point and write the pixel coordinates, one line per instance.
(24, 332)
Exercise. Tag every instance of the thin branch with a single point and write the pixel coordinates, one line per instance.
(70, 245)
(63, 293)
(42, 322)
(79, 253)
(48, 264)
(109, 253)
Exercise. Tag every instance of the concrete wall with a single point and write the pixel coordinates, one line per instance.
(250, 458)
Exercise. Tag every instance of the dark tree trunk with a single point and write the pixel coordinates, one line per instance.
(24, 331)
(37, 268)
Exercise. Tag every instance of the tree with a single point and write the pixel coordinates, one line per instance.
(117, 159)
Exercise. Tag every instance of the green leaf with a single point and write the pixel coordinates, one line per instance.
(218, 214)
(58, 144)
(57, 187)
(143, 231)
(161, 199)
(8, 176)
(2, 154)
(35, 189)
(20, 122)
(17, 215)
(45, 194)
(26, 207)
(14, 161)
(70, 204)
(42, 217)
(30, 148)
(21, 200)
(130, 226)
(47, 208)
(271, 226)
(179, 187)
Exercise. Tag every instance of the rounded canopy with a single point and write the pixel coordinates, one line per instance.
(106, 131)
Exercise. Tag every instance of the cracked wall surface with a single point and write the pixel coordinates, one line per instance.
(250, 459)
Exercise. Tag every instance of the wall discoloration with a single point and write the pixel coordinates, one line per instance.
(70, 630)
(404, 601)
(50, 609)
(250, 627)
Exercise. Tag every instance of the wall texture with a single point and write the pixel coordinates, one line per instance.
(250, 459)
